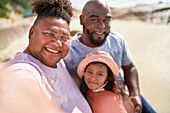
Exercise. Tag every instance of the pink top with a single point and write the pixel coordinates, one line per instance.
(55, 83)
(108, 102)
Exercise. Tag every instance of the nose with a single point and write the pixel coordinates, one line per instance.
(93, 78)
(101, 24)
(57, 42)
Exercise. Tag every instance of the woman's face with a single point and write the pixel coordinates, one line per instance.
(95, 75)
(49, 41)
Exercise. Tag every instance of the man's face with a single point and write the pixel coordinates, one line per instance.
(96, 23)
(49, 40)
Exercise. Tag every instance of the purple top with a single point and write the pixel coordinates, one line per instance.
(56, 83)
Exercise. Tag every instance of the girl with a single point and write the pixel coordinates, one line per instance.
(98, 72)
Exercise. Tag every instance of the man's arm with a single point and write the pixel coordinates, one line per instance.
(132, 82)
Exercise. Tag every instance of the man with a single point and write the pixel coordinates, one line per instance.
(96, 36)
(41, 62)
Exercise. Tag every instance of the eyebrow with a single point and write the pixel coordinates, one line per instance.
(56, 32)
(99, 16)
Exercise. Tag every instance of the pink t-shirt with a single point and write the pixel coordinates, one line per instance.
(55, 83)
(108, 102)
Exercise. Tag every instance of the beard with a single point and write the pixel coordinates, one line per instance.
(97, 42)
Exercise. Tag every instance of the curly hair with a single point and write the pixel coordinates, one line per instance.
(52, 8)
(112, 84)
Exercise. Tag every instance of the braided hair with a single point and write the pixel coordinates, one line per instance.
(52, 8)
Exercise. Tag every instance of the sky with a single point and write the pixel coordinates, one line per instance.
(78, 4)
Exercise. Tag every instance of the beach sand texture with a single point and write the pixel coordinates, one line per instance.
(150, 48)
(148, 43)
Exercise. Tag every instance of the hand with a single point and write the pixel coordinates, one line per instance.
(137, 103)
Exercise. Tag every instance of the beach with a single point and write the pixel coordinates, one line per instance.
(149, 45)
(150, 48)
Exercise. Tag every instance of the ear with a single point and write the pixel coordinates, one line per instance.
(31, 31)
(81, 20)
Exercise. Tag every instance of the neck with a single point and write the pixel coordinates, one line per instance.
(98, 93)
(100, 88)
(27, 51)
(83, 39)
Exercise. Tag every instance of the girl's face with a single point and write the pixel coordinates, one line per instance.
(95, 75)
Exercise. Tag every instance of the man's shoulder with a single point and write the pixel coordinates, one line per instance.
(75, 37)
(116, 36)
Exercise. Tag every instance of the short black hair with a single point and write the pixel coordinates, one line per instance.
(52, 8)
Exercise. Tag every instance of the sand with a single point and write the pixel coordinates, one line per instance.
(148, 43)
(150, 47)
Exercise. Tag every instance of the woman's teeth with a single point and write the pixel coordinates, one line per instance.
(52, 50)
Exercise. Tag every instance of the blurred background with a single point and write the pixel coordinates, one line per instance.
(143, 23)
